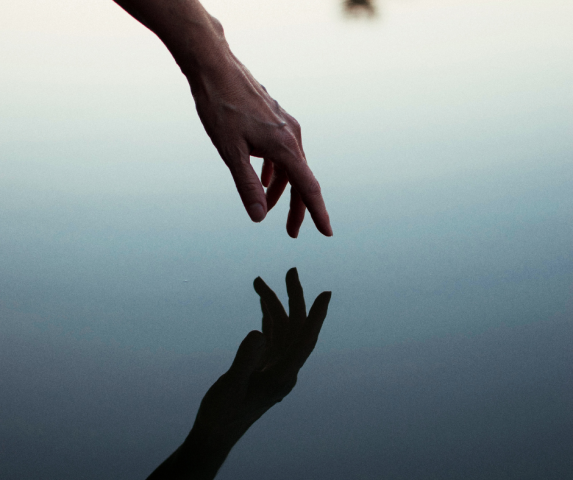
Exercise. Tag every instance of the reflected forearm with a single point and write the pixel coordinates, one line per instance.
(195, 459)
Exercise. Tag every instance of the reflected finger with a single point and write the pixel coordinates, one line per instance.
(296, 304)
(267, 322)
(316, 316)
(311, 330)
(272, 350)
(275, 310)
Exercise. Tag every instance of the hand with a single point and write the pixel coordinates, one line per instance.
(266, 365)
(264, 371)
(237, 112)
(243, 120)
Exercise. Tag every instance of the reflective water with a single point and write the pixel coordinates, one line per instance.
(441, 134)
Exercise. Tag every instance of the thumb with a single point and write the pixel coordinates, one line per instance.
(249, 187)
(248, 356)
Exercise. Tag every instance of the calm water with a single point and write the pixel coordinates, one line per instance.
(441, 133)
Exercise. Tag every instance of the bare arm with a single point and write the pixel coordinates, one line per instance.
(238, 114)
(263, 373)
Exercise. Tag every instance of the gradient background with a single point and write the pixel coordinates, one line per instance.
(441, 133)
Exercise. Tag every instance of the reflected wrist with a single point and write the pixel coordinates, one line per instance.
(200, 456)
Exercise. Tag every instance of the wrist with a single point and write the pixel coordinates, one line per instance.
(200, 47)
(200, 456)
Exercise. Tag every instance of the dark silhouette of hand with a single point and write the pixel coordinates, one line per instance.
(266, 366)
(264, 371)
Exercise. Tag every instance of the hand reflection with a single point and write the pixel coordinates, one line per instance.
(264, 371)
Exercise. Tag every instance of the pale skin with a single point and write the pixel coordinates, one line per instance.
(238, 114)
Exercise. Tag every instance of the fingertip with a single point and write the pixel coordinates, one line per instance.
(249, 187)
(325, 297)
(292, 232)
(326, 228)
(257, 212)
(320, 306)
(292, 271)
(260, 286)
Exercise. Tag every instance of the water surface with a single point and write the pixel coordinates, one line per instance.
(441, 134)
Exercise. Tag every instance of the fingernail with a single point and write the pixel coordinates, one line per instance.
(256, 212)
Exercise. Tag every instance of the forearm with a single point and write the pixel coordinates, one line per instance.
(190, 33)
(196, 459)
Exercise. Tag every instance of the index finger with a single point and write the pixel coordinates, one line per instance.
(304, 182)
(297, 306)
(279, 319)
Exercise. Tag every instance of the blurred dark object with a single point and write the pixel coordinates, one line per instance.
(359, 8)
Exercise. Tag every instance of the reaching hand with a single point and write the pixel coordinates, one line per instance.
(237, 112)
(264, 371)
(243, 120)
(266, 365)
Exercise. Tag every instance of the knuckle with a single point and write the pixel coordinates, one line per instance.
(245, 184)
(289, 140)
(233, 156)
(217, 25)
(312, 188)
(295, 125)
(283, 143)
